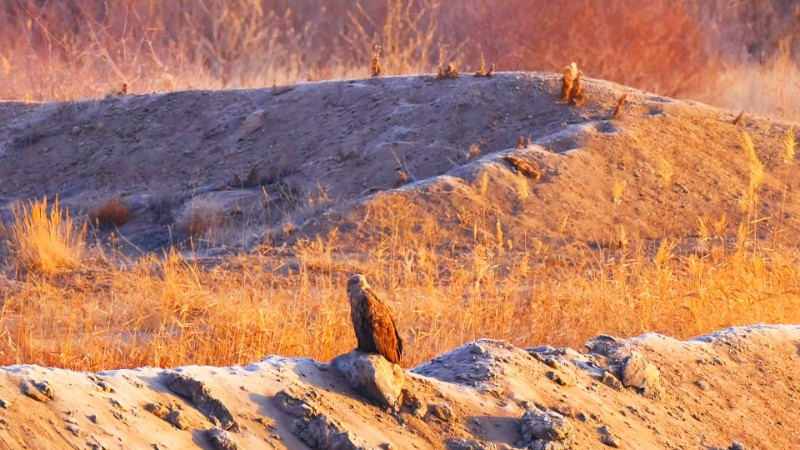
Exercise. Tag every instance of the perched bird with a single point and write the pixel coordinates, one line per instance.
(372, 321)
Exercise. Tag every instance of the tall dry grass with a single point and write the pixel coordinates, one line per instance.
(89, 48)
(44, 239)
(170, 309)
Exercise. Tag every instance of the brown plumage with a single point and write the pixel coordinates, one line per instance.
(372, 321)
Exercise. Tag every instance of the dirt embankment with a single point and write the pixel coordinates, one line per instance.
(436, 152)
(642, 393)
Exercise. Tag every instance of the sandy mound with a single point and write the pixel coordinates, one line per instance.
(733, 385)
(301, 160)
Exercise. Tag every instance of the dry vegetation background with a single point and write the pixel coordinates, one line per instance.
(731, 55)
(71, 304)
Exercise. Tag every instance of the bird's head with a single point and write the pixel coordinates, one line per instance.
(357, 281)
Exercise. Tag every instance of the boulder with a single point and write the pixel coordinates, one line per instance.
(545, 430)
(372, 375)
(638, 373)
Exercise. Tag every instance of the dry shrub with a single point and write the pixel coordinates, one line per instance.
(112, 211)
(482, 71)
(448, 72)
(618, 108)
(576, 93)
(201, 216)
(44, 239)
(375, 64)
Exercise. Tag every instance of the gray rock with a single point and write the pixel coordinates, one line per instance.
(178, 420)
(640, 374)
(736, 446)
(549, 426)
(313, 428)
(201, 396)
(606, 345)
(468, 444)
(157, 409)
(373, 375)
(607, 437)
(611, 381)
(441, 411)
(562, 378)
(221, 440)
(37, 390)
(702, 385)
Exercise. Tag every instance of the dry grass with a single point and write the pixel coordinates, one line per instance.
(111, 211)
(169, 310)
(215, 44)
(201, 217)
(44, 239)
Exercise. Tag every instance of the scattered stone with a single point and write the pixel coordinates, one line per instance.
(313, 428)
(565, 410)
(221, 440)
(157, 409)
(413, 403)
(76, 130)
(736, 446)
(608, 346)
(562, 379)
(642, 375)
(104, 387)
(37, 390)
(582, 417)
(92, 418)
(116, 404)
(178, 420)
(75, 430)
(552, 363)
(702, 385)
(607, 437)
(441, 411)
(4, 404)
(373, 375)
(210, 406)
(545, 431)
(611, 381)
(467, 444)
(101, 385)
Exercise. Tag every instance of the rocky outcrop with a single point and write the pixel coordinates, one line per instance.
(372, 375)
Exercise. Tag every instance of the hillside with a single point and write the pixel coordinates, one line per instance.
(652, 172)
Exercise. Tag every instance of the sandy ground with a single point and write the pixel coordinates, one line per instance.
(734, 385)
(301, 160)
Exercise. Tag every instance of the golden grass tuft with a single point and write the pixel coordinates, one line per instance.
(44, 239)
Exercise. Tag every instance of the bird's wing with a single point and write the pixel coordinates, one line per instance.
(387, 340)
